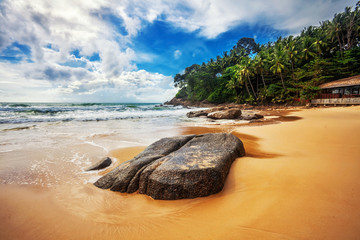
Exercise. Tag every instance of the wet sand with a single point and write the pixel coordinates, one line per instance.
(299, 180)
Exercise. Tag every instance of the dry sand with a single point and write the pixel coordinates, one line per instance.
(299, 180)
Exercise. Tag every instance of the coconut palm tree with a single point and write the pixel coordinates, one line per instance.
(307, 48)
(240, 77)
(335, 30)
(247, 70)
(259, 64)
(291, 52)
(278, 64)
(350, 18)
(318, 45)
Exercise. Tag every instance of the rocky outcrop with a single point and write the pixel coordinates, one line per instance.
(103, 163)
(224, 112)
(181, 167)
(232, 113)
(187, 103)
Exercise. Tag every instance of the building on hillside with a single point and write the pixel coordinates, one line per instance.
(343, 91)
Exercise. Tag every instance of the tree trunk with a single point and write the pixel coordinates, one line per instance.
(349, 33)
(262, 77)
(343, 41)
(282, 80)
(247, 89)
(292, 69)
(341, 49)
(252, 88)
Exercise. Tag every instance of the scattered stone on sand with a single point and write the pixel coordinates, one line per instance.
(103, 163)
(180, 167)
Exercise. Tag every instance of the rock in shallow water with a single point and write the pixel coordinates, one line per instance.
(180, 167)
(103, 163)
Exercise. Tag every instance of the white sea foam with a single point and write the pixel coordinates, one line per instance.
(68, 138)
(28, 113)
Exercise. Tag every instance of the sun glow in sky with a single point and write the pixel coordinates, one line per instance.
(130, 50)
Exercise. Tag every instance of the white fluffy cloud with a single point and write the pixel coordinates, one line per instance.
(53, 30)
(138, 86)
(63, 35)
(213, 17)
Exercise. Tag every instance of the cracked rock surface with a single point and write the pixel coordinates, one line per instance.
(179, 167)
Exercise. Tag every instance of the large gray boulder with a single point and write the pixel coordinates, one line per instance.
(174, 168)
(119, 179)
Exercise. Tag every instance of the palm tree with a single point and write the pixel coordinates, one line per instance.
(351, 17)
(307, 47)
(259, 64)
(318, 45)
(291, 52)
(335, 30)
(278, 66)
(241, 77)
(247, 71)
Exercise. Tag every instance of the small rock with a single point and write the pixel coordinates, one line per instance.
(252, 117)
(200, 113)
(103, 163)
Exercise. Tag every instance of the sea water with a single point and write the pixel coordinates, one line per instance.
(43, 143)
(17, 113)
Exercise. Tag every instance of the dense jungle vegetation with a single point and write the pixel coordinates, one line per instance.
(286, 71)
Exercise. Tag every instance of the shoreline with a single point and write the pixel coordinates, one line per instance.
(298, 180)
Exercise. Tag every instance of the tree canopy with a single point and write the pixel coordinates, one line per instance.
(287, 70)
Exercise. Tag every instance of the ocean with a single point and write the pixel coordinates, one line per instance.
(17, 113)
(41, 141)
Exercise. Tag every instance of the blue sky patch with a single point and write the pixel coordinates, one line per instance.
(176, 49)
(16, 52)
(95, 57)
(76, 53)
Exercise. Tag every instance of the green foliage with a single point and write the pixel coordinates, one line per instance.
(222, 94)
(309, 92)
(284, 71)
(182, 93)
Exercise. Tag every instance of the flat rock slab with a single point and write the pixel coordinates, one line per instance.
(175, 168)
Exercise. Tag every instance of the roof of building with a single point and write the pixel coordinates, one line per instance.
(345, 82)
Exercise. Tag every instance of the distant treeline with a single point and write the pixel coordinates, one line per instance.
(288, 70)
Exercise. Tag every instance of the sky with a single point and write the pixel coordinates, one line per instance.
(130, 50)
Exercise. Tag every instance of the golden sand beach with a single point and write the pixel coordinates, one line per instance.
(299, 180)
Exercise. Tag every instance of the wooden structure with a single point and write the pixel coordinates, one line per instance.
(343, 91)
